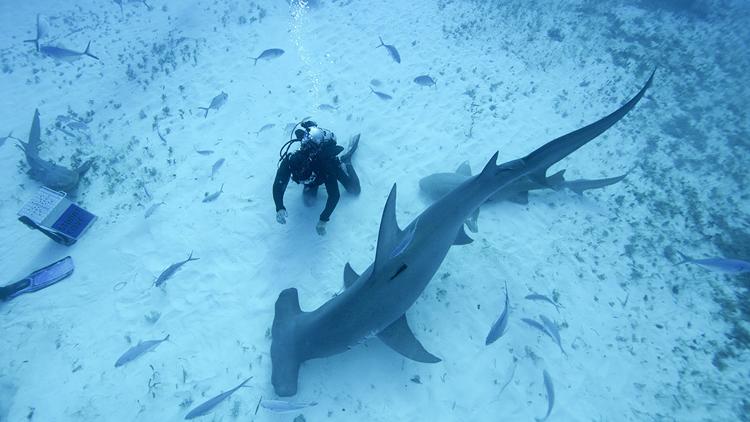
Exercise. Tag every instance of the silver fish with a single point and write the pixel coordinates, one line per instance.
(550, 389)
(169, 272)
(391, 51)
(212, 197)
(424, 80)
(10, 136)
(216, 103)
(543, 298)
(499, 327)
(536, 325)
(62, 53)
(553, 332)
(139, 349)
(265, 128)
(280, 406)
(152, 209)
(381, 95)
(269, 54)
(217, 165)
(204, 151)
(209, 405)
(730, 266)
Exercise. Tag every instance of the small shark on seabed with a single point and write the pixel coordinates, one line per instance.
(437, 185)
(46, 172)
(64, 54)
(374, 303)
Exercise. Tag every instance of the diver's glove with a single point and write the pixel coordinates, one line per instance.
(321, 227)
(308, 124)
(281, 216)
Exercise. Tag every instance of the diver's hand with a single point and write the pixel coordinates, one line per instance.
(321, 227)
(281, 216)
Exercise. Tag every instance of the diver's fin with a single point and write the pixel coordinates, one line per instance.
(399, 337)
(44, 277)
(471, 222)
(350, 276)
(521, 198)
(462, 238)
(464, 169)
(389, 232)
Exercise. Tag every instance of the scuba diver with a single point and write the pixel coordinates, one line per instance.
(315, 163)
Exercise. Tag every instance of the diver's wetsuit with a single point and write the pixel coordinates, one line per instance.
(322, 167)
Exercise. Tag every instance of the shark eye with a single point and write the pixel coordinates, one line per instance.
(399, 271)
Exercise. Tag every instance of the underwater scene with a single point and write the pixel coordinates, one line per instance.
(344, 210)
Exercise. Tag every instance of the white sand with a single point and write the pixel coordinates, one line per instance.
(59, 345)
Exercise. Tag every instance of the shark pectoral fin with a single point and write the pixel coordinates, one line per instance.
(520, 198)
(464, 169)
(389, 232)
(462, 238)
(399, 337)
(471, 222)
(350, 276)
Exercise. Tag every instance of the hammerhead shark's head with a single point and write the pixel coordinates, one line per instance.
(375, 302)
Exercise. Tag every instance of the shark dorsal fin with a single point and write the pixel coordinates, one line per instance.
(35, 133)
(400, 338)
(389, 232)
(556, 180)
(464, 169)
(350, 276)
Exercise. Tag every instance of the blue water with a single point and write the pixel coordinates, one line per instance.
(644, 339)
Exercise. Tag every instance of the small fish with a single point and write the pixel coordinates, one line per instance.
(216, 103)
(550, 389)
(217, 165)
(327, 107)
(499, 327)
(724, 265)
(269, 54)
(553, 332)
(209, 405)
(536, 325)
(265, 128)
(139, 349)
(152, 209)
(381, 95)
(169, 272)
(543, 298)
(280, 406)
(213, 196)
(391, 50)
(64, 54)
(10, 136)
(424, 80)
(204, 151)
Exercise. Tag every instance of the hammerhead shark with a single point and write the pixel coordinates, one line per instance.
(46, 172)
(375, 302)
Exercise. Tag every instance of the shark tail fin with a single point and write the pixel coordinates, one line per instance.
(284, 359)
(88, 53)
(543, 158)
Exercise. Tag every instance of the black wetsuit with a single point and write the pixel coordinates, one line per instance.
(312, 166)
